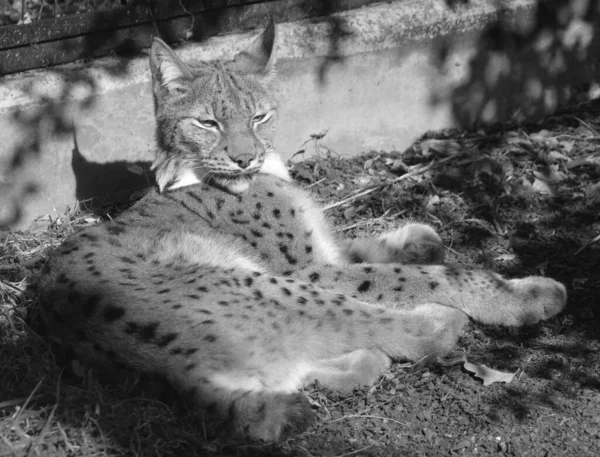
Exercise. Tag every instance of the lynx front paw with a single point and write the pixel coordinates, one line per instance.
(542, 298)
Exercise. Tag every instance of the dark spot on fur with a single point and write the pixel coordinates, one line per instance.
(128, 260)
(91, 304)
(286, 291)
(166, 339)
(62, 279)
(256, 233)
(89, 255)
(276, 213)
(148, 331)
(314, 277)
(112, 313)
(131, 328)
(258, 295)
(115, 229)
(433, 285)
(223, 303)
(114, 242)
(164, 291)
(368, 270)
(398, 289)
(348, 312)
(210, 338)
(364, 286)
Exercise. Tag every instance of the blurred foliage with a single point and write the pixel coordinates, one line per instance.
(524, 69)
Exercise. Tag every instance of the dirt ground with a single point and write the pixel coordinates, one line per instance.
(523, 200)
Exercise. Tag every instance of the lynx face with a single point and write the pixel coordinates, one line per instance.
(215, 121)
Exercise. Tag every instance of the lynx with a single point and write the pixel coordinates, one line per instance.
(227, 281)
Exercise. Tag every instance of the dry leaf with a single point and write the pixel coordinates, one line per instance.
(542, 187)
(505, 257)
(486, 374)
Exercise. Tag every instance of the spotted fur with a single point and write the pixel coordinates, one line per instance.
(228, 281)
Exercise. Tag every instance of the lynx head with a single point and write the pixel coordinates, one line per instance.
(215, 120)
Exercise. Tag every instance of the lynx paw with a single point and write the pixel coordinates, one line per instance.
(414, 244)
(268, 417)
(542, 298)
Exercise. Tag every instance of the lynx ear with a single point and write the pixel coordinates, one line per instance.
(259, 57)
(168, 70)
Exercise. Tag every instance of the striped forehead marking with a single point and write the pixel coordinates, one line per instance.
(234, 95)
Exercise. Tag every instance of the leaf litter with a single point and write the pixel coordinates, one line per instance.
(518, 200)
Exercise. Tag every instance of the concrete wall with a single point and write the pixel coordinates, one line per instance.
(85, 131)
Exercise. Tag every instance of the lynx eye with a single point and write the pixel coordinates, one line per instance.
(260, 118)
(206, 123)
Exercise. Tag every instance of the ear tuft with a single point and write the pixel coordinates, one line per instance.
(259, 57)
(167, 69)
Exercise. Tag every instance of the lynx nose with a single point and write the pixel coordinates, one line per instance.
(243, 160)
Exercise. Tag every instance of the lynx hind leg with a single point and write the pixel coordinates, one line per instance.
(436, 331)
(344, 373)
(410, 244)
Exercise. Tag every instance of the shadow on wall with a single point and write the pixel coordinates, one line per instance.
(518, 71)
(99, 185)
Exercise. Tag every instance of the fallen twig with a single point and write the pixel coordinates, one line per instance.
(588, 244)
(408, 175)
(588, 126)
(10, 286)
